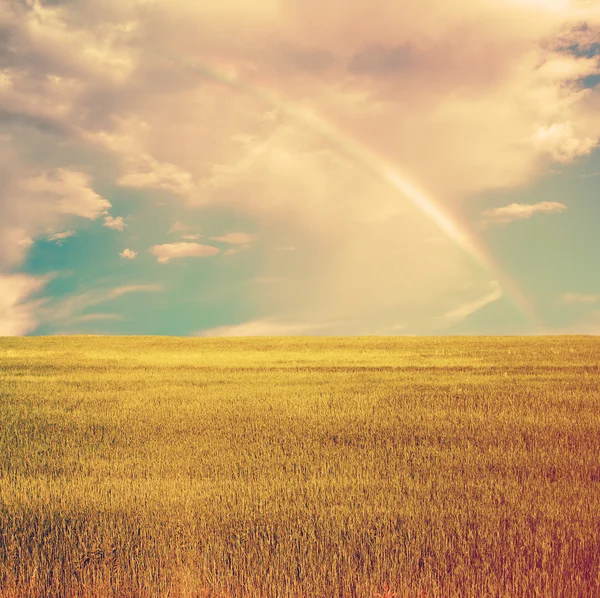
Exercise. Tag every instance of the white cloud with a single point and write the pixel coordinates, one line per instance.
(25, 242)
(190, 237)
(115, 223)
(560, 141)
(517, 211)
(169, 251)
(235, 238)
(178, 226)
(261, 327)
(70, 191)
(18, 314)
(58, 237)
(128, 254)
(47, 200)
(133, 288)
(580, 298)
(462, 312)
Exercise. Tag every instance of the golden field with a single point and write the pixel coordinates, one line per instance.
(300, 467)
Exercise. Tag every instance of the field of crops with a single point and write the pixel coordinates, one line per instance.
(300, 467)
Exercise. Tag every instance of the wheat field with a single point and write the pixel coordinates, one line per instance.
(300, 467)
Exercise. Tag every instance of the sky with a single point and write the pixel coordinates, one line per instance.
(299, 167)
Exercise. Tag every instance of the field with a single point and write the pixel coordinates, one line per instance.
(314, 468)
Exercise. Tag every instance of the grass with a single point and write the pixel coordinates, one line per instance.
(300, 468)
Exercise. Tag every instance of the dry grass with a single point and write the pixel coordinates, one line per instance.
(300, 468)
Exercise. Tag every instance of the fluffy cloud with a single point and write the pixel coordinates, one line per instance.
(560, 141)
(18, 313)
(128, 254)
(115, 223)
(69, 191)
(516, 211)
(46, 201)
(169, 251)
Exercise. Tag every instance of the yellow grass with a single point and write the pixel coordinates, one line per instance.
(300, 468)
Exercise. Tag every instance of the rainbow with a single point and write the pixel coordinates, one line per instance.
(368, 160)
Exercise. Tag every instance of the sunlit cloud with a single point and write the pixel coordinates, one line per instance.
(468, 309)
(70, 191)
(115, 223)
(178, 227)
(25, 242)
(261, 327)
(33, 203)
(59, 237)
(345, 138)
(168, 251)
(18, 312)
(133, 288)
(128, 254)
(235, 238)
(516, 211)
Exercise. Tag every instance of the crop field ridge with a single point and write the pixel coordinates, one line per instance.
(366, 467)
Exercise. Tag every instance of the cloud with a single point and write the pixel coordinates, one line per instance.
(58, 237)
(69, 190)
(34, 203)
(67, 309)
(517, 211)
(178, 226)
(128, 254)
(115, 223)
(18, 313)
(260, 327)
(464, 311)
(235, 238)
(190, 237)
(25, 242)
(560, 141)
(288, 116)
(133, 288)
(241, 241)
(580, 298)
(169, 251)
